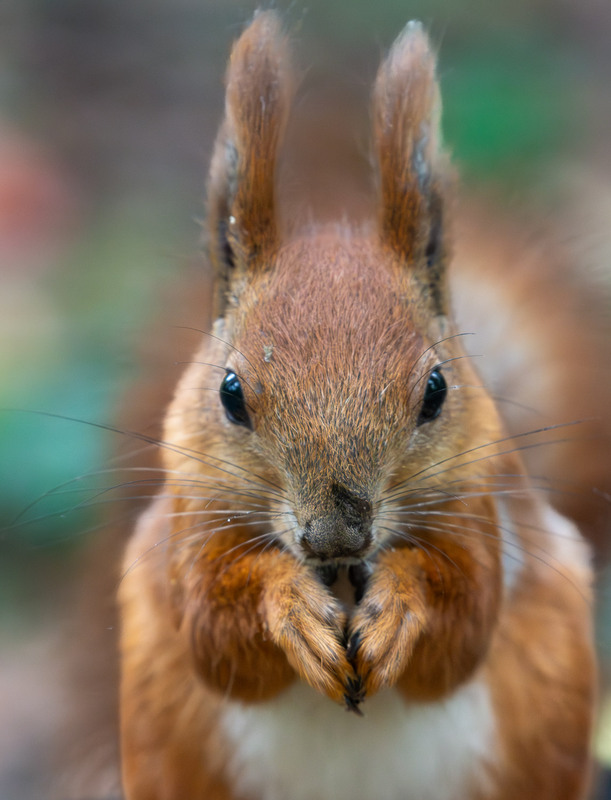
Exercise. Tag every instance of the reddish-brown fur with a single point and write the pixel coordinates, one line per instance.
(333, 332)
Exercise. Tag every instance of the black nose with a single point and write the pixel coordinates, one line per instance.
(330, 537)
(344, 531)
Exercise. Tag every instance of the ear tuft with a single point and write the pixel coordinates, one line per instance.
(241, 195)
(407, 110)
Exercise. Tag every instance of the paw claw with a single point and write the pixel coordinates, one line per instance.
(358, 575)
(356, 689)
(354, 642)
(327, 574)
(352, 704)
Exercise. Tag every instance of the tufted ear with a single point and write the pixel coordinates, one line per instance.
(242, 222)
(407, 108)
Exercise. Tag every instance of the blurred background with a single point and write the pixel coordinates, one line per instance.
(108, 111)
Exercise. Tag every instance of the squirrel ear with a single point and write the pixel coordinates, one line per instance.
(241, 216)
(407, 110)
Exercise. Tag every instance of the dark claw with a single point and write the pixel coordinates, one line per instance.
(355, 689)
(352, 705)
(327, 573)
(353, 646)
(358, 575)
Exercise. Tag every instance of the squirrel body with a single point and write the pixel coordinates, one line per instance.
(333, 428)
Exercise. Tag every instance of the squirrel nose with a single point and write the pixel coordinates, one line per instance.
(330, 537)
(343, 532)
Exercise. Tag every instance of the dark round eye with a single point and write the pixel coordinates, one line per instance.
(232, 398)
(434, 395)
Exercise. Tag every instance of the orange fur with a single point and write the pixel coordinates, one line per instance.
(333, 333)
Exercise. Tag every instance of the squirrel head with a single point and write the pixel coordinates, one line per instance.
(337, 344)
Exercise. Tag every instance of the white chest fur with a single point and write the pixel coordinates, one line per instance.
(303, 747)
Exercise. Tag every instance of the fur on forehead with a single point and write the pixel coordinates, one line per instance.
(324, 288)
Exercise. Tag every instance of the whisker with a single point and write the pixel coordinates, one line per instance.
(273, 541)
(222, 341)
(533, 432)
(254, 545)
(168, 446)
(424, 545)
(498, 398)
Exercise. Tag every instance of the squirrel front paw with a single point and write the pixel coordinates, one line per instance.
(308, 624)
(383, 631)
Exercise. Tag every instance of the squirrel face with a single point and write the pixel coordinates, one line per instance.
(334, 360)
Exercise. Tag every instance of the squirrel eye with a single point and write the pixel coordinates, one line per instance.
(434, 395)
(232, 398)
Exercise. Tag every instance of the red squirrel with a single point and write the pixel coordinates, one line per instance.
(347, 587)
